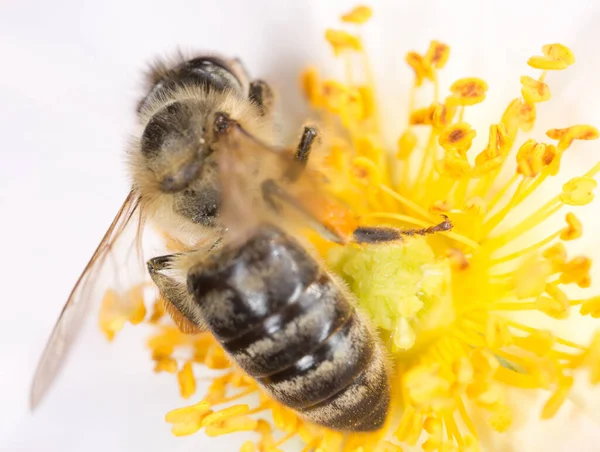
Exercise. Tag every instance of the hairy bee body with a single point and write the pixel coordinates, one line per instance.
(278, 314)
(289, 325)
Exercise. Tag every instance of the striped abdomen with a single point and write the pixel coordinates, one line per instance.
(287, 324)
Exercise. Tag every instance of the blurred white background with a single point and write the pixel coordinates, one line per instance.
(68, 86)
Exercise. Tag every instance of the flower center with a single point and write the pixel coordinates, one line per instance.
(403, 287)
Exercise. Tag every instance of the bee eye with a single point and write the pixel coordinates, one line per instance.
(173, 146)
(168, 125)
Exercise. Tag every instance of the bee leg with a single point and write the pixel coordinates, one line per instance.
(178, 301)
(309, 135)
(262, 95)
(156, 264)
(276, 197)
(374, 234)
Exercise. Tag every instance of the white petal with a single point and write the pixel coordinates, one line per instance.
(68, 86)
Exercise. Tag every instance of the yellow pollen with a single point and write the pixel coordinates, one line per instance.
(358, 15)
(116, 310)
(556, 57)
(342, 41)
(534, 90)
(574, 229)
(578, 191)
(467, 91)
(457, 137)
(566, 136)
(406, 144)
(187, 382)
(591, 307)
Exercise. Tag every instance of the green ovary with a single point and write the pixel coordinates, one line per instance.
(403, 287)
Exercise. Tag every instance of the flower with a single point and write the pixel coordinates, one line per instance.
(451, 307)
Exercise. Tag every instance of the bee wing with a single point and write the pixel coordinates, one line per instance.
(73, 313)
(262, 183)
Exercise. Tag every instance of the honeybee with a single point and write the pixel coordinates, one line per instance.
(205, 169)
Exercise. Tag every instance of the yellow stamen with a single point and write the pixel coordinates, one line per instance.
(501, 192)
(457, 137)
(427, 160)
(187, 382)
(510, 205)
(358, 15)
(237, 396)
(285, 439)
(446, 306)
(528, 329)
(406, 202)
(465, 417)
(546, 211)
(467, 91)
(341, 41)
(534, 90)
(557, 399)
(406, 145)
(452, 430)
(556, 57)
(525, 251)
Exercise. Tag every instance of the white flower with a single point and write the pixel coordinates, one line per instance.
(68, 88)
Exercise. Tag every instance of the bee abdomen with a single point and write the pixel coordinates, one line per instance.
(287, 324)
(237, 290)
(318, 374)
(360, 406)
(298, 329)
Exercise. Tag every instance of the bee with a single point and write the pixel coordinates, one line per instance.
(206, 172)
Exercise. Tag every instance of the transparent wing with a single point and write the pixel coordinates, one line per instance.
(74, 311)
(261, 183)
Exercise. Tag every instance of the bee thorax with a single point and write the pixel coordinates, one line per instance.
(208, 73)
